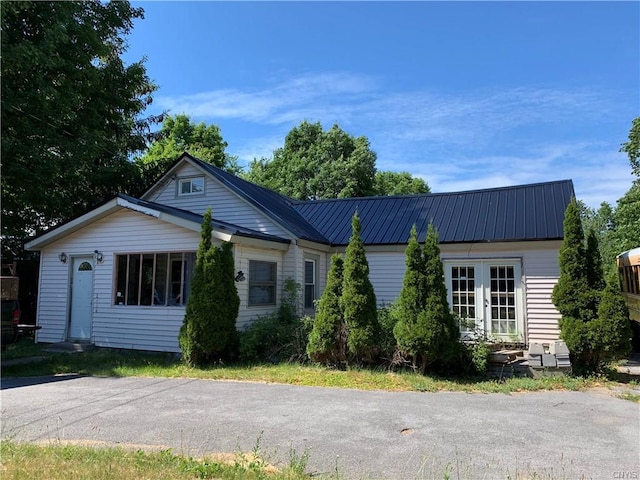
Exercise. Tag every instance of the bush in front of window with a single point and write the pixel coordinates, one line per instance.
(277, 337)
(327, 340)
(208, 333)
(426, 330)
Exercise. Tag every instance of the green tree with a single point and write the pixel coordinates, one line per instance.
(316, 164)
(602, 222)
(627, 220)
(71, 111)
(327, 340)
(208, 332)
(225, 342)
(178, 135)
(594, 323)
(440, 324)
(611, 332)
(412, 299)
(594, 270)
(398, 183)
(571, 295)
(359, 300)
(632, 147)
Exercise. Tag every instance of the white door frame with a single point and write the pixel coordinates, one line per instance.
(80, 298)
(483, 295)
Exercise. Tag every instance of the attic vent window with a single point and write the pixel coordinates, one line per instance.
(190, 186)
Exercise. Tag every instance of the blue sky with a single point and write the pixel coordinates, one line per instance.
(466, 95)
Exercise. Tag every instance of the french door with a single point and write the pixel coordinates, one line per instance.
(487, 297)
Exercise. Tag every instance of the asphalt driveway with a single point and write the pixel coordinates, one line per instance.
(368, 435)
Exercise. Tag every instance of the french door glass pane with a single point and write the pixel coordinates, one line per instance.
(502, 293)
(463, 295)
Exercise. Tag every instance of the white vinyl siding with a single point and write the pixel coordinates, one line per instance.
(243, 255)
(135, 327)
(386, 272)
(53, 297)
(540, 273)
(225, 204)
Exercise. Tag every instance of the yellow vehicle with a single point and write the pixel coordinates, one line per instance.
(629, 273)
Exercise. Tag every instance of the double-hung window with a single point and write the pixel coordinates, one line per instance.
(190, 186)
(309, 282)
(160, 279)
(262, 283)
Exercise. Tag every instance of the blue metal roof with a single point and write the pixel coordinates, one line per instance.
(518, 213)
(504, 214)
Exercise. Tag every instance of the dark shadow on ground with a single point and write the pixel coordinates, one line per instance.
(16, 382)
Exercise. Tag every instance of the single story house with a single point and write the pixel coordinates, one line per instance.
(119, 275)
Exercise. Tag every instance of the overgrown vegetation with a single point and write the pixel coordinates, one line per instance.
(278, 337)
(129, 363)
(63, 461)
(208, 333)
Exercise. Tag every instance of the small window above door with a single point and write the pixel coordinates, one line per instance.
(190, 186)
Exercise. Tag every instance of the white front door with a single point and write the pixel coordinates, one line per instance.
(81, 298)
(487, 297)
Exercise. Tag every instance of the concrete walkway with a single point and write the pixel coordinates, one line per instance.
(362, 435)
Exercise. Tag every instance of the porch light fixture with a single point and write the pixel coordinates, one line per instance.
(240, 276)
(98, 256)
(63, 257)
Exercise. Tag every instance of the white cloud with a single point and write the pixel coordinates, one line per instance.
(475, 139)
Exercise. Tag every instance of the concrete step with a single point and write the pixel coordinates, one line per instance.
(69, 347)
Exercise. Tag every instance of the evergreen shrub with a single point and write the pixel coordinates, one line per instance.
(358, 301)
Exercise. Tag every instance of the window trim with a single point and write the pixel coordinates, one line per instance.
(314, 262)
(185, 280)
(483, 287)
(181, 180)
(271, 283)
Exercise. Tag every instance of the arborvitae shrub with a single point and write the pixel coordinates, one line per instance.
(387, 344)
(208, 332)
(412, 300)
(359, 301)
(225, 343)
(426, 330)
(195, 320)
(327, 340)
(571, 295)
(611, 332)
(594, 323)
(447, 348)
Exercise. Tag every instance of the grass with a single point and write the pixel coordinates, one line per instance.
(126, 363)
(632, 397)
(63, 461)
(60, 461)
